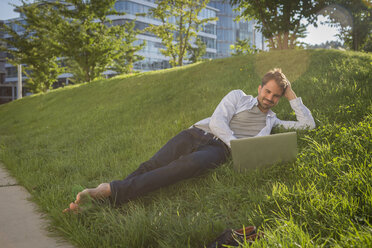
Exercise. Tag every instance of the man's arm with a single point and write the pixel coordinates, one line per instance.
(303, 115)
(289, 93)
(220, 120)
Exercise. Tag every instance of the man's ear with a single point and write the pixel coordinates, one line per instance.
(259, 89)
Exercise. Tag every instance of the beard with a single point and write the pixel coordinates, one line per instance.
(268, 105)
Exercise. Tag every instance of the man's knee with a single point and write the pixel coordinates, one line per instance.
(208, 161)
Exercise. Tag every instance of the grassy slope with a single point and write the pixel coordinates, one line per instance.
(59, 142)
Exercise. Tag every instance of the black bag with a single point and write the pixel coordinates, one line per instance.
(235, 237)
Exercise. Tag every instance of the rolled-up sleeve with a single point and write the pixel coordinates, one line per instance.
(303, 115)
(220, 120)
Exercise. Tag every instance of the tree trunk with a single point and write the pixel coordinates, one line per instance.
(355, 40)
(287, 21)
(271, 42)
(279, 39)
(180, 55)
(292, 41)
(285, 41)
(293, 37)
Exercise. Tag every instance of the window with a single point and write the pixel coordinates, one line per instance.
(133, 8)
(211, 43)
(208, 55)
(11, 71)
(207, 13)
(151, 64)
(209, 28)
(152, 48)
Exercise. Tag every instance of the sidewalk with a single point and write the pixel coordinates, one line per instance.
(20, 224)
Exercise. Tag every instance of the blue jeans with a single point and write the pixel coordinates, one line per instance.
(188, 154)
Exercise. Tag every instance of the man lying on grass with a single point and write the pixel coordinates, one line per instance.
(206, 144)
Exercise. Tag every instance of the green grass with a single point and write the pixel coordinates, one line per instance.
(59, 142)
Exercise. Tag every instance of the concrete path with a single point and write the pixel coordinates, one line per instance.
(20, 224)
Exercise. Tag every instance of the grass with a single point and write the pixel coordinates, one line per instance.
(57, 143)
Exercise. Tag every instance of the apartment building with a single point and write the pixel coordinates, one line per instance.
(8, 72)
(229, 31)
(217, 35)
(154, 60)
(2, 57)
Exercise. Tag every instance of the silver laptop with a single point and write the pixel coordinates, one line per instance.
(255, 152)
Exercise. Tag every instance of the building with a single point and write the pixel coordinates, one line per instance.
(230, 31)
(217, 35)
(154, 60)
(8, 86)
(2, 56)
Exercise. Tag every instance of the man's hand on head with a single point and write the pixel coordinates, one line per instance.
(289, 93)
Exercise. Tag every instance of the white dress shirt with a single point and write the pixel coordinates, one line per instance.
(237, 101)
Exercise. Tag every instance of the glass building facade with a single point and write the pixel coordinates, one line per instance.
(2, 56)
(154, 60)
(230, 31)
(217, 35)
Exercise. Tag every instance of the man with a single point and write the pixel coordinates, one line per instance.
(206, 144)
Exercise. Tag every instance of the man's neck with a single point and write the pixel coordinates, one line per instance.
(262, 109)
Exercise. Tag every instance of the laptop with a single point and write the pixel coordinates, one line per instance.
(263, 151)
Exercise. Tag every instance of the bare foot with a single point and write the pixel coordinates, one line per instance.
(100, 192)
(81, 197)
(74, 208)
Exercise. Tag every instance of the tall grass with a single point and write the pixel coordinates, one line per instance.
(57, 143)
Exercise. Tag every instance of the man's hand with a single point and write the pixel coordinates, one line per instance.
(289, 93)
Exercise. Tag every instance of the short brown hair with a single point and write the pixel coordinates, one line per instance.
(276, 75)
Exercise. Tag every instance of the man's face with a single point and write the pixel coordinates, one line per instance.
(268, 95)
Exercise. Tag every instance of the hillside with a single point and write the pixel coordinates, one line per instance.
(57, 143)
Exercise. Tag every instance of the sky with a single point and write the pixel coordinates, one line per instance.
(318, 35)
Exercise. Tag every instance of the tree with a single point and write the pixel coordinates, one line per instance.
(354, 19)
(197, 51)
(126, 55)
(179, 23)
(280, 20)
(88, 41)
(75, 33)
(368, 44)
(243, 47)
(33, 47)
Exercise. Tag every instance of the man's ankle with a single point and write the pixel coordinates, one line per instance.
(104, 190)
